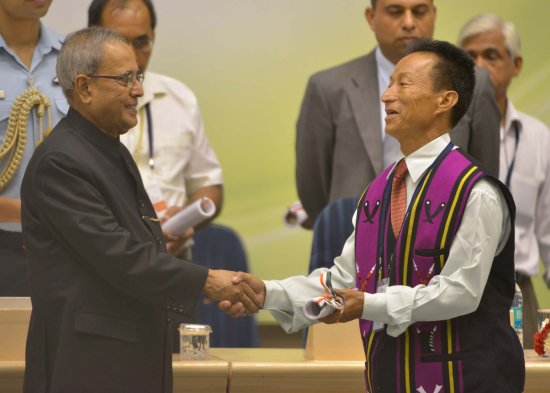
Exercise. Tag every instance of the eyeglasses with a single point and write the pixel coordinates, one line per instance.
(128, 80)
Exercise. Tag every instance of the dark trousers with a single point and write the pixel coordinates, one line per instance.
(530, 307)
(13, 266)
(177, 319)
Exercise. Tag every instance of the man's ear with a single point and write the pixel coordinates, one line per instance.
(518, 65)
(369, 16)
(446, 100)
(82, 88)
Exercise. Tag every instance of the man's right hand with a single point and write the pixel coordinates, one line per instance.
(237, 309)
(221, 286)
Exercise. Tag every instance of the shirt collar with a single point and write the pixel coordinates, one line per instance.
(384, 66)
(420, 160)
(47, 41)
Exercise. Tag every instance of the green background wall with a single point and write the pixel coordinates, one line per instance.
(248, 61)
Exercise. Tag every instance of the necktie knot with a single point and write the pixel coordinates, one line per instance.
(401, 169)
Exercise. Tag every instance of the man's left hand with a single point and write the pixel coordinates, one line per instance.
(175, 244)
(353, 307)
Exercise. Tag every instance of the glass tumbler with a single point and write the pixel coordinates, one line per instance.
(194, 341)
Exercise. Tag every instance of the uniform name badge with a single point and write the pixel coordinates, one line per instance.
(381, 288)
(156, 195)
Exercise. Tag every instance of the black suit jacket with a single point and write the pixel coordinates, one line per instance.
(101, 280)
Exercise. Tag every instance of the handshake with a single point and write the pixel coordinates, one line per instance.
(238, 293)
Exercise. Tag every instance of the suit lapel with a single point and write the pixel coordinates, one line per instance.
(365, 105)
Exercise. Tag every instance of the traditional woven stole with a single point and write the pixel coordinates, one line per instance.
(421, 248)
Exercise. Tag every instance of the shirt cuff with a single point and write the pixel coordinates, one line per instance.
(374, 307)
(273, 294)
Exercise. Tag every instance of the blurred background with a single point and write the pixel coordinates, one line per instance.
(248, 62)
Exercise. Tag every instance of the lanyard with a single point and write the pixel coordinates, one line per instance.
(511, 167)
(150, 135)
(137, 149)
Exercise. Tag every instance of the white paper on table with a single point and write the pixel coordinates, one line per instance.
(295, 215)
(192, 215)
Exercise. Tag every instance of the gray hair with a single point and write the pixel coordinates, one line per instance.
(82, 53)
(484, 23)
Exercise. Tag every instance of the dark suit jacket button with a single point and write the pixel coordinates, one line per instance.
(181, 308)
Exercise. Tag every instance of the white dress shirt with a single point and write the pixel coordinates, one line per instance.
(530, 187)
(456, 291)
(184, 161)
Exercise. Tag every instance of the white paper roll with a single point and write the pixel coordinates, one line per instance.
(321, 307)
(295, 215)
(190, 216)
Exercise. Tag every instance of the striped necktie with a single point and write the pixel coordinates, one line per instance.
(398, 196)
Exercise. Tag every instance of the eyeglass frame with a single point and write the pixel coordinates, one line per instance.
(128, 80)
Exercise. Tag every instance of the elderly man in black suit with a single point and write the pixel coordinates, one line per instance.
(101, 279)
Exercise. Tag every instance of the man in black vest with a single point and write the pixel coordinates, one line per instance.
(432, 254)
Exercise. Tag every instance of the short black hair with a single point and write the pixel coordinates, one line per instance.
(97, 6)
(373, 3)
(454, 70)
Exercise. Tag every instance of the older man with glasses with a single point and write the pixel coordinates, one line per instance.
(102, 282)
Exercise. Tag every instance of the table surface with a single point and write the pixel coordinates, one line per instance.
(286, 370)
(244, 370)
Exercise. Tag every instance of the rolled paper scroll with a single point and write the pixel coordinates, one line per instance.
(295, 215)
(322, 306)
(190, 216)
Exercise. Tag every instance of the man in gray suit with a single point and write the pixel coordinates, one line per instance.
(341, 145)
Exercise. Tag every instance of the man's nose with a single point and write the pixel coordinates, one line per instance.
(387, 95)
(408, 21)
(479, 60)
(137, 89)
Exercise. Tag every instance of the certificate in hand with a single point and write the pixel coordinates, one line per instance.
(322, 306)
(190, 216)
